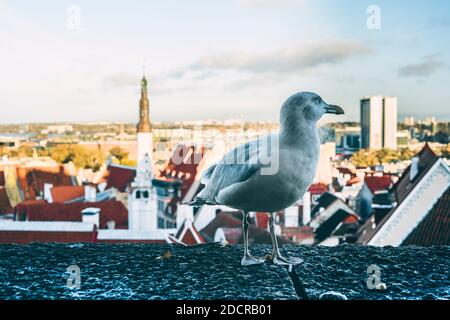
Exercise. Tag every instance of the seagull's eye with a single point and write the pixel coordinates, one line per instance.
(317, 99)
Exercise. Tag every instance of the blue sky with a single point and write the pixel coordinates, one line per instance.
(218, 59)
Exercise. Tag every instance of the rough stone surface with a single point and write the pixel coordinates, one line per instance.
(131, 271)
(407, 272)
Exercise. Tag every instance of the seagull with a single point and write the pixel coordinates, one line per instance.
(271, 173)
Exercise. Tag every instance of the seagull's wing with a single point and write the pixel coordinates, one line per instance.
(238, 165)
(223, 176)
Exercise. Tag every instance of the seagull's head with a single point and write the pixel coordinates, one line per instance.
(307, 106)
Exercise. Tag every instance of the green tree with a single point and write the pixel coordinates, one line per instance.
(119, 154)
(406, 154)
(79, 155)
(364, 158)
(446, 151)
(62, 153)
(386, 155)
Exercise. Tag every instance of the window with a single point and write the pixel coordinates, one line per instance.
(160, 223)
(145, 194)
(161, 206)
(138, 194)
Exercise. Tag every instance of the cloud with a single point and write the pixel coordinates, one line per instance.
(439, 22)
(122, 79)
(427, 67)
(288, 60)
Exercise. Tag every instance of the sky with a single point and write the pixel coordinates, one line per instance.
(82, 61)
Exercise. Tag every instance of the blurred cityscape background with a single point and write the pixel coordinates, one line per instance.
(90, 151)
(380, 181)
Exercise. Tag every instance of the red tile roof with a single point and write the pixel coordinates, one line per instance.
(318, 188)
(2, 178)
(434, 229)
(119, 177)
(353, 180)
(228, 220)
(62, 194)
(404, 185)
(401, 190)
(378, 183)
(32, 180)
(262, 220)
(184, 170)
(25, 237)
(188, 234)
(43, 211)
(344, 170)
(181, 169)
(222, 219)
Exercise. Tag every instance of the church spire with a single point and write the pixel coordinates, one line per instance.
(144, 121)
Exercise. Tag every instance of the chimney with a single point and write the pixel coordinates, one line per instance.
(91, 215)
(47, 192)
(184, 212)
(306, 208)
(291, 217)
(90, 193)
(110, 224)
(414, 168)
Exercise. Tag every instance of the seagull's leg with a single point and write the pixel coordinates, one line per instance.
(276, 254)
(248, 259)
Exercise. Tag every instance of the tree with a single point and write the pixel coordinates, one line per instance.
(364, 158)
(3, 151)
(79, 155)
(62, 153)
(446, 151)
(386, 155)
(406, 154)
(118, 153)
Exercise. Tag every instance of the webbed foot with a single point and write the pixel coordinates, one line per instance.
(282, 261)
(249, 260)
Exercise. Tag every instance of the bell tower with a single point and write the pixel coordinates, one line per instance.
(142, 196)
(144, 128)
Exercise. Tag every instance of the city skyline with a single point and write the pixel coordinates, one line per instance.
(246, 69)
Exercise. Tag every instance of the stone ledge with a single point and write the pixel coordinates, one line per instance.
(131, 271)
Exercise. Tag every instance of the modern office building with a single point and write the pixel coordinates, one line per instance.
(379, 122)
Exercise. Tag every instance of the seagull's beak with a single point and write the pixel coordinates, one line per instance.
(330, 108)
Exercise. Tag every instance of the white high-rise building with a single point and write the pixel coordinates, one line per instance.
(379, 122)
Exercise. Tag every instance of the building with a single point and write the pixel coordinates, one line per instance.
(332, 220)
(348, 140)
(409, 121)
(57, 209)
(179, 181)
(403, 138)
(372, 186)
(327, 155)
(416, 210)
(379, 122)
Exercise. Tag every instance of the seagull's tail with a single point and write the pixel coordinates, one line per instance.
(197, 202)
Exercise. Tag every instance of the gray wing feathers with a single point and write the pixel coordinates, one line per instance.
(236, 166)
(225, 175)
